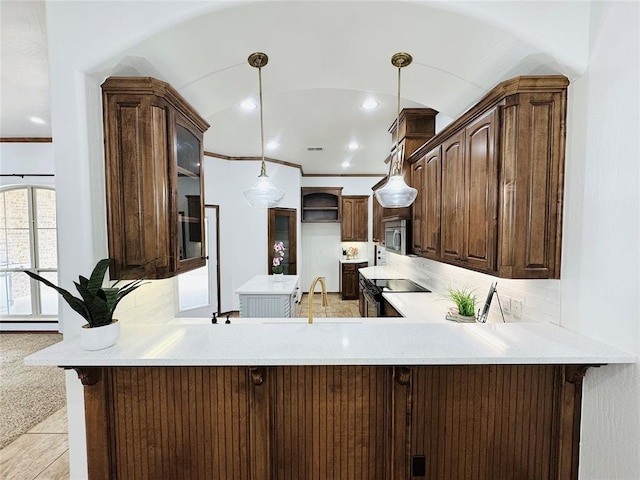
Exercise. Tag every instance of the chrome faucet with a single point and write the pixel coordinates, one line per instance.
(325, 303)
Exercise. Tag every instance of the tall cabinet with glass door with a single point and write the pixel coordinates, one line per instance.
(153, 160)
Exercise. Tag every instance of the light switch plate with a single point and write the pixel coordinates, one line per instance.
(516, 308)
(506, 304)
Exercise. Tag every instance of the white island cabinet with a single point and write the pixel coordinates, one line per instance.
(268, 296)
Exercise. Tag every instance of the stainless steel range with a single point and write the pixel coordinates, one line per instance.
(372, 291)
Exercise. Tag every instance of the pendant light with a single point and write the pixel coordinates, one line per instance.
(262, 193)
(396, 193)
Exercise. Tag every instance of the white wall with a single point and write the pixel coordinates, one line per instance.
(601, 263)
(26, 158)
(321, 245)
(243, 229)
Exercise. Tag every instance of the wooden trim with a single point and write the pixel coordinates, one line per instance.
(293, 165)
(252, 159)
(292, 216)
(522, 84)
(153, 86)
(218, 291)
(26, 140)
(97, 405)
(367, 175)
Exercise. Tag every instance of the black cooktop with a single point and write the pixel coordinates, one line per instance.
(397, 285)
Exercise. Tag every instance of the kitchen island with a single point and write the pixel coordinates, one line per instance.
(265, 296)
(267, 399)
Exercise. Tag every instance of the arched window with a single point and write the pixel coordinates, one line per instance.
(27, 242)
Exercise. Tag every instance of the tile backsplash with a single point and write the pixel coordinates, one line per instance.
(152, 303)
(540, 299)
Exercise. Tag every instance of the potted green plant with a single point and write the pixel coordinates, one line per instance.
(96, 305)
(465, 301)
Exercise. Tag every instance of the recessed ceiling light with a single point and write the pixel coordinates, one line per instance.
(249, 105)
(354, 146)
(272, 145)
(346, 164)
(370, 104)
(37, 120)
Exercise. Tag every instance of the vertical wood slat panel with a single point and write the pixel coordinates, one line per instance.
(485, 422)
(482, 422)
(171, 436)
(302, 407)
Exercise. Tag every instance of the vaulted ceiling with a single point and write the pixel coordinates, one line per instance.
(325, 59)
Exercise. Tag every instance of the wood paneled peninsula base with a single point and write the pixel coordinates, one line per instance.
(341, 398)
(318, 422)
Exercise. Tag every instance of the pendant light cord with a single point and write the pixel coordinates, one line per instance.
(263, 167)
(397, 170)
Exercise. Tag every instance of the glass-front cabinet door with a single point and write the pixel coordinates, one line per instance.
(188, 196)
(283, 228)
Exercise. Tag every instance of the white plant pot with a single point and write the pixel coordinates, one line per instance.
(278, 277)
(98, 338)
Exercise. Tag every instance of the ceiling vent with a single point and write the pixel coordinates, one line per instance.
(314, 149)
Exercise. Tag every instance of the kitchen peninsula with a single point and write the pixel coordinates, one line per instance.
(389, 399)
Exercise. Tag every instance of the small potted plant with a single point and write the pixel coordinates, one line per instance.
(96, 305)
(277, 265)
(465, 301)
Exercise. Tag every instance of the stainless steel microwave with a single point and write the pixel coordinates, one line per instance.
(395, 237)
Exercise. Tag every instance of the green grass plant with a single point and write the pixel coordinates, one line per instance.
(465, 300)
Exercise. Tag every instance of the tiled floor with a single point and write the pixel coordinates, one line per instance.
(40, 454)
(337, 308)
(43, 452)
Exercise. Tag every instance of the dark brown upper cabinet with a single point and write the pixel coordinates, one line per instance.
(377, 233)
(417, 125)
(425, 225)
(469, 195)
(154, 186)
(494, 204)
(355, 218)
(321, 204)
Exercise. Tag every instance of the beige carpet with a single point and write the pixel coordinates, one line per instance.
(28, 394)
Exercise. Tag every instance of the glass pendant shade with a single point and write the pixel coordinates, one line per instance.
(263, 193)
(396, 193)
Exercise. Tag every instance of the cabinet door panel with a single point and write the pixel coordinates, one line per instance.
(482, 187)
(361, 224)
(347, 219)
(417, 224)
(537, 252)
(453, 195)
(355, 218)
(378, 230)
(431, 205)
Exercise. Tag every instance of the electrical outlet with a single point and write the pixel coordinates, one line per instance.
(506, 304)
(516, 308)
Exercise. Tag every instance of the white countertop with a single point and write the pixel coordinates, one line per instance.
(376, 272)
(337, 342)
(267, 285)
(353, 260)
(428, 307)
